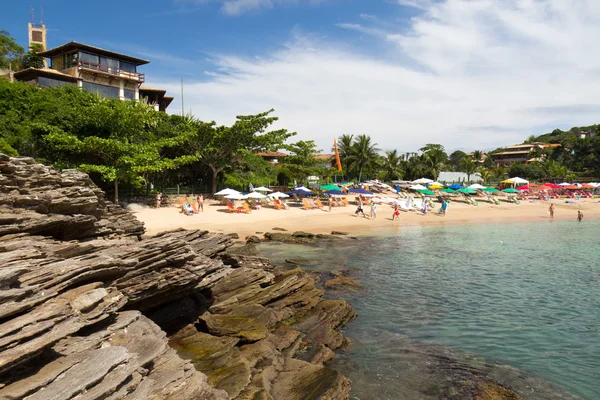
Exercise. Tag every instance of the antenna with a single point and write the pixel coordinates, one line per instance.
(31, 15)
(182, 108)
(42, 15)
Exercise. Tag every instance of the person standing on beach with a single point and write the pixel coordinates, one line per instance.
(444, 207)
(158, 199)
(200, 201)
(396, 213)
(360, 210)
(551, 210)
(329, 199)
(373, 210)
(579, 216)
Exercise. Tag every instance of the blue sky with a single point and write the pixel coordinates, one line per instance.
(470, 74)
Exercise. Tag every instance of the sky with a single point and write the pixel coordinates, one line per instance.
(469, 74)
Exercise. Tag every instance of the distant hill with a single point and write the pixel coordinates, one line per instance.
(557, 135)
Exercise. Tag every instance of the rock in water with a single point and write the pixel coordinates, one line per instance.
(83, 306)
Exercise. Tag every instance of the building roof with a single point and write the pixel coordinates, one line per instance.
(168, 100)
(507, 153)
(272, 154)
(151, 89)
(31, 73)
(323, 156)
(97, 50)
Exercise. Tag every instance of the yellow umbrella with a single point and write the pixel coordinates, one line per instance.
(507, 181)
(434, 186)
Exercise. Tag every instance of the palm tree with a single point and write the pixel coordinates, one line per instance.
(392, 164)
(477, 155)
(344, 144)
(486, 175)
(363, 154)
(469, 167)
(435, 157)
(499, 172)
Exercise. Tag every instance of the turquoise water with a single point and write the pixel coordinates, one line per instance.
(526, 296)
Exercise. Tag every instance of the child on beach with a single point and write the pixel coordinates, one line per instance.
(551, 210)
(373, 210)
(396, 213)
(579, 216)
(200, 201)
(360, 210)
(444, 207)
(158, 199)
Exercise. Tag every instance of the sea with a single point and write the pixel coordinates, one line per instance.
(517, 303)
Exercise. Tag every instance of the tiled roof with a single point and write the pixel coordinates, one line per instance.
(86, 47)
(324, 156)
(272, 154)
(30, 73)
(151, 89)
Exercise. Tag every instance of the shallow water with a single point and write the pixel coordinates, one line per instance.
(522, 295)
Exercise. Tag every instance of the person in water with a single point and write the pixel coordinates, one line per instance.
(579, 216)
(551, 210)
(396, 212)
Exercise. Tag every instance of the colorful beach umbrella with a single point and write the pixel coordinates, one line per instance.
(360, 191)
(435, 186)
(455, 186)
(330, 186)
(524, 188)
(448, 190)
(490, 190)
(510, 190)
(467, 191)
(427, 192)
(334, 192)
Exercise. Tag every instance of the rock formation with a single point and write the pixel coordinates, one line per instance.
(89, 310)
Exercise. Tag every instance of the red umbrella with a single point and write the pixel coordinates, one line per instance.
(533, 184)
(572, 187)
(588, 186)
(524, 188)
(552, 185)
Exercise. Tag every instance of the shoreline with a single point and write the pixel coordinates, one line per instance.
(216, 219)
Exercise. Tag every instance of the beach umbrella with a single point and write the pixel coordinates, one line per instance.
(571, 187)
(331, 186)
(301, 192)
(507, 181)
(427, 192)
(262, 189)
(534, 185)
(455, 186)
(304, 189)
(490, 190)
(476, 186)
(588, 186)
(564, 184)
(255, 195)
(235, 196)
(524, 188)
(422, 181)
(361, 191)
(519, 181)
(226, 192)
(448, 190)
(417, 187)
(278, 195)
(510, 190)
(467, 191)
(334, 192)
(435, 186)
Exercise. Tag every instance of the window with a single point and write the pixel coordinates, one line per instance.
(129, 67)
(49, 82)
(129, 94)
(70, 60)
(88, 58)
(109, 64)
(102, 90)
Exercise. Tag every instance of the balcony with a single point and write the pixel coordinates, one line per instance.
(111, 71)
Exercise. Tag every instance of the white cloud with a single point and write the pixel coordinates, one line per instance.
(490, 73)
(238, 7)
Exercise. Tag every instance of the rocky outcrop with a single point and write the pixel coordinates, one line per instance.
(88, 313)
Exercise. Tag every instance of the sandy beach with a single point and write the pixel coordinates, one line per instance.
(215, 217)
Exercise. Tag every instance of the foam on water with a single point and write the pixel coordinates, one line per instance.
(521, 295)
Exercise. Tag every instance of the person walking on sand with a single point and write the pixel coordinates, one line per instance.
(396, 213)
(329, 200)
(200, 201)
(579, 216)
(551, 210)
(158, 199)
(360, 210)
(444, 207)
(373, 210)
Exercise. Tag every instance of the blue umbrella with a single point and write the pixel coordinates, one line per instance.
(334, 192)
(360, 191)
(304, 192)
(455, 186)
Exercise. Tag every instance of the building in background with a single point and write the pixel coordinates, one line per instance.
(521, 153)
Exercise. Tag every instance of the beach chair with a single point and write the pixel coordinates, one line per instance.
(277, 205)
(312, 203)
(345, 202)
(195, 208)
(318, 203)
(181, 201)
(231, 208)
(245, 208)
(306, 205)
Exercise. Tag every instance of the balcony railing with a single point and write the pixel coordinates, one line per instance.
(112, 71)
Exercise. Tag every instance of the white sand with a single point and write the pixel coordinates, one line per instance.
(216, 219)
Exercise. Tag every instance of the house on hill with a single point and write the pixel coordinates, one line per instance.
(521, 153)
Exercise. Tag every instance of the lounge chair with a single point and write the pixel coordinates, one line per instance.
(245, 208)
(231, 208)
(277, 205)
(306, 205)
(345, 202)
(318, 203)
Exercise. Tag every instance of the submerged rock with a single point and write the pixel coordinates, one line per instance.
(342, 281)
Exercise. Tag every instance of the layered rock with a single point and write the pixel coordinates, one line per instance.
(90, 317)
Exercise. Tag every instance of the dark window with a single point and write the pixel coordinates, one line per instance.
(109, 64)
(129, 67)
(102, 90)
(88, 58)
(49, 82)
(70, 59)
(36, 36)
(129, 94)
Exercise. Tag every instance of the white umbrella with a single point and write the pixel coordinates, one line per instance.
(518, 180)
(564, 184)
(226, 192)
(255, 195)
(423, 181)
(235, 196)
(278, 195)
(417, 187)
(304, 189)
(476, 186)
(262, 189)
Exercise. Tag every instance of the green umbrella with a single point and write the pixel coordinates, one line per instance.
(510, 190)
(491, 190)
(467, 191)
(331, 186)
(427, 192)
(448, 190)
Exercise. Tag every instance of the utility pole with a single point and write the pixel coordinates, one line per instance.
(182, 108)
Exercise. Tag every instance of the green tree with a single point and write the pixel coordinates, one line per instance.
(392, 165)
(363, 154)
(456, 158)
(469, 167)
(220, 146)
(435, 157)
(10, 52)
(486, 175)
(31, 59)
(302, 162)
